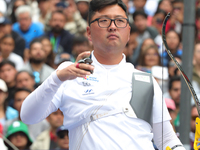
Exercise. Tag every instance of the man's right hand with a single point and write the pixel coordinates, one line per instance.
(71, 72)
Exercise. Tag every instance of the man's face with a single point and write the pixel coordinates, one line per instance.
(24, 20)
(110, 39)
(175, 92)
(194, 114)
(19, 139)
(141, 23)
(55, 119)
(19, 98)
(44, 6)
(139, 4)
(24, 80)
(37, 53)
(57, 22)
(7, 73)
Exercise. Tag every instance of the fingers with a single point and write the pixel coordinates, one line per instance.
(83, 69)
(83, 55)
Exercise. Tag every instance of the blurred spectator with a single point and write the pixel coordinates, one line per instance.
(47, 47)
(194, 115)
(172, 66)
(132, 50)
(62, 138)
(6, 28)
(18, 135)
(53, 5)
(75, 24)
(48, 139)
(161, 75)
(165, 5)
(7, 112)
(13, 6)
(196, 65)
(34, 129)
(140, 20)
(176, 19)
(58, 36)
(158, 19)
(139, 5)
(25, 27)
(149, 57)
(24, 79)
(173, 41)
(83, 7)
(171, 108)
(3, 7)
(37, 65)
(7, 45)
(45, 13)
(80, 44)
(174, 93)
(8, 73)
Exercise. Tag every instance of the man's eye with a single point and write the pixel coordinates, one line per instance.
(121, 20)
(103, 20)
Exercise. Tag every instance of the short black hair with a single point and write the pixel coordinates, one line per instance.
(22, 89)
(79, 40)
(57, 11)
(96, 5)
(36, 40)
(21, 71)
(139, 13)
(7, 62)
(173, 79)
(177, 1)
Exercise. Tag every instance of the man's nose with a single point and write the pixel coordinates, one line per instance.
(112, 26)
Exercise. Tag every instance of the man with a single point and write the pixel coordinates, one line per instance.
(8, 73)
(58, 36)
(48, 139)
(34, 129)
(24, 79)
(25, 27)
(96, 106)
(6, 28)
(37, 65)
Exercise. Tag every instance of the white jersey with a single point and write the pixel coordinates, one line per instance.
(97, 112)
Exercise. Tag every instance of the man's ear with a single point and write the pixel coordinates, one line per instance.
(89, 33)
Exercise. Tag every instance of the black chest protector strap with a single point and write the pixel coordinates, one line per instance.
(142, 96)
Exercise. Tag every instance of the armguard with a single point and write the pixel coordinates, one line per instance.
(197, 135)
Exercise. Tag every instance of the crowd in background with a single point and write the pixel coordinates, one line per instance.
(36, 36)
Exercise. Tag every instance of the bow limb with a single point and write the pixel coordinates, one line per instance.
(196, 100)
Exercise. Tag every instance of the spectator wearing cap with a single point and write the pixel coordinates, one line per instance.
(48, 139)
(7, 112)
(171, 108)
(6, 28)
(62, 138)
(19, 136)
(8, 73)
(25, 27)
(34, 129)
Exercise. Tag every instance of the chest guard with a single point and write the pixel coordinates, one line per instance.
(142, 96)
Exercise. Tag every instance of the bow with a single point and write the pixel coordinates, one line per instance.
(196, 100)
